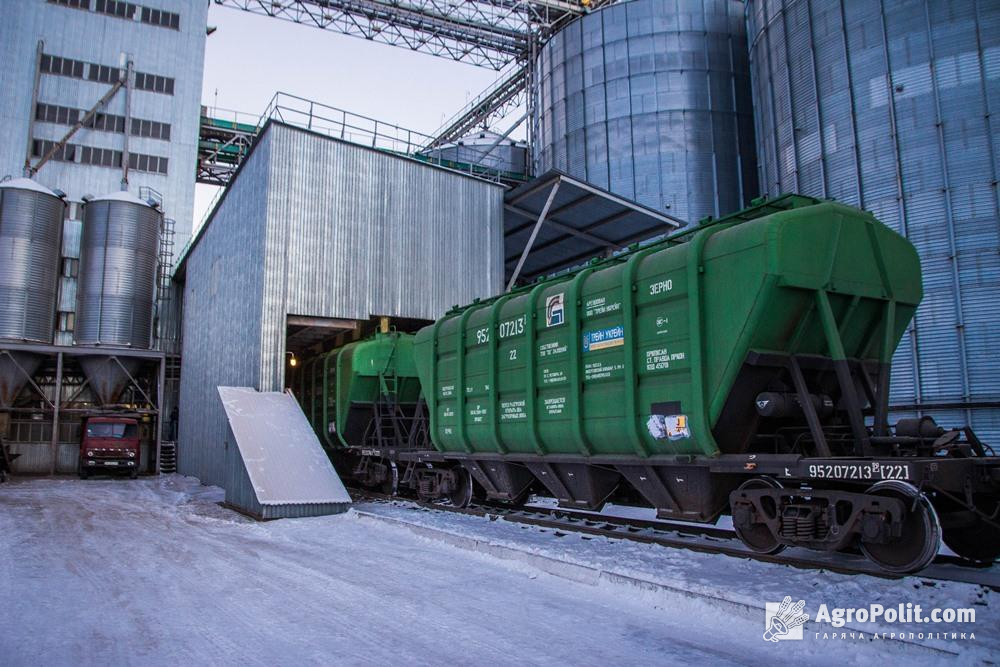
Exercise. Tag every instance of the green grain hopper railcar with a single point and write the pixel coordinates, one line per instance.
(661, 355)
(740, 366)
(363, 393)
(579, 365)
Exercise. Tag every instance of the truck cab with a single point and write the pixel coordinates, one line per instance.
(110, 444)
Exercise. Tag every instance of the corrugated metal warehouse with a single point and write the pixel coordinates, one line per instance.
(315, 227)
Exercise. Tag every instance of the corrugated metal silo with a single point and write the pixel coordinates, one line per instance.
(485, 149)
(31, 222)
(117, 272)
(887, 105)
(650, 99)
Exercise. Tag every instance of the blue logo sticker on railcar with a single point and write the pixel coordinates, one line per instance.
(601, 339)
(555, 310)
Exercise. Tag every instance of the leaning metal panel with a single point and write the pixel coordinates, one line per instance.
(117, 272)
(650, 99)
(31, 221)
(887, 105)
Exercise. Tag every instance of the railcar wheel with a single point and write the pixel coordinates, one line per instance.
(920, 538)
(390, 486)
(462, 495)
(758, 537)
(979, 542)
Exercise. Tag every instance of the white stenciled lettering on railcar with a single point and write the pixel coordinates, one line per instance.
(661, 287)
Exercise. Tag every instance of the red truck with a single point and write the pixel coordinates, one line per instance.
(110, 444)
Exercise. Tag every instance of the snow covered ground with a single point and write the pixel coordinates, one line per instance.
(154, 572)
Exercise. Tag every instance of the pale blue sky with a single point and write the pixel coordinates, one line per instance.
(251, 57)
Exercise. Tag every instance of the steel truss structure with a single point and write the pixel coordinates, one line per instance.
(488, 33)
(497, 34)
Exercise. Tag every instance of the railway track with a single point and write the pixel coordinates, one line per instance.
(704, 539)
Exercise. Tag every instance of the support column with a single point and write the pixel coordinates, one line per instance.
(534, 235)
(56, 403)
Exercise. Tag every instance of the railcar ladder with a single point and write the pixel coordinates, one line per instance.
(389, 419)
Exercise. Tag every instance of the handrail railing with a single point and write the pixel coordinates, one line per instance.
(366, 131)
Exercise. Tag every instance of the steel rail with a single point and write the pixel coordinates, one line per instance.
(693, 537)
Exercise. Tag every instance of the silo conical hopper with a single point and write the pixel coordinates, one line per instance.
(108, 375)
(15, 370)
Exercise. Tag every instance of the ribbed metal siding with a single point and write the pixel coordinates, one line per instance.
(117, 274)
(887, 105)
(222, 303)
(95, 37)
(317, 227)
(355, 232)
(30, 237)
(651, 100)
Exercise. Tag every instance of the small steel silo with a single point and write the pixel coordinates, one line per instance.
(118, 256)
(31, 221)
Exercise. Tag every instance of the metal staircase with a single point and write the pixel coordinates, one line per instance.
(168, 458)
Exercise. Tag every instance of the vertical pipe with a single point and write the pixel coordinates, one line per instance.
(858, 185)
(56, 404)
(949, 218)
(771, 103)
(39, 49)
(817, 101)
(791, 98)
(128, 123)
(711, 122)
(900, 195)
(161, 383)
(736, 119)
(987, 116)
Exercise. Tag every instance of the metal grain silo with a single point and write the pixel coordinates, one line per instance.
(485, 149)
(31, 222)
(887, 105)
(118, 255)
(650, 99)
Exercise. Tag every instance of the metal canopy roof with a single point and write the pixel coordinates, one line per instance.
(562, 221)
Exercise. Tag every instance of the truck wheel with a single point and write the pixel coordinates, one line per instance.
(84, 474)
(133, 474)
